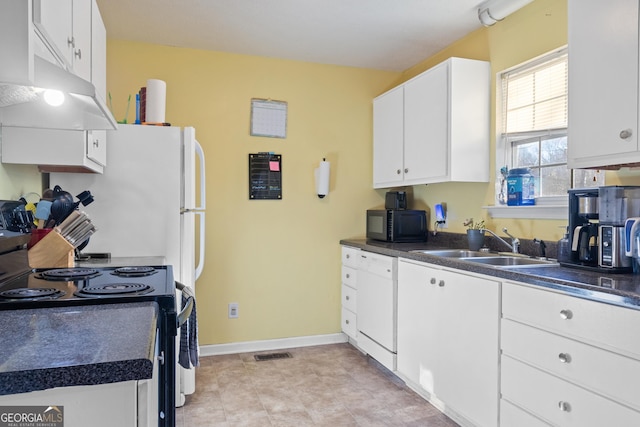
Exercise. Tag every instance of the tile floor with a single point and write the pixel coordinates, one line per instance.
(329, 385)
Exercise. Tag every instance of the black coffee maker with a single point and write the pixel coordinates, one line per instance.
(583, 227)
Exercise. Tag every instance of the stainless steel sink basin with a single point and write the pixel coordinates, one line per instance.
(512, 262)
(455, 253)
(490, 259)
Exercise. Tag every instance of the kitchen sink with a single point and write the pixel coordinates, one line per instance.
(490, 259)
(512, 261)
(455, 253)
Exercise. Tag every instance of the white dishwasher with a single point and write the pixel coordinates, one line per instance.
(377, 296)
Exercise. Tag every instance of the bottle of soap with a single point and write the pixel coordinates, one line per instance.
(564, 249)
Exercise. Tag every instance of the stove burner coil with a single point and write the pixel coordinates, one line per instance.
(134, 271)
(68, 274)
(114, 289)
(32, 294)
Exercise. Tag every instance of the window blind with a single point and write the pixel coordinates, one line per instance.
(535, 96)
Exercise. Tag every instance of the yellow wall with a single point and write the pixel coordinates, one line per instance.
(278, 259)
(18, 180)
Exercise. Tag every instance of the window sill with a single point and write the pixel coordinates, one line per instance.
(529, 212)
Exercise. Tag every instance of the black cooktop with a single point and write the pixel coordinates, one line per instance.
(81, 285)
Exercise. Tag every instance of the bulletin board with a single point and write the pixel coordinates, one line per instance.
(265, 176)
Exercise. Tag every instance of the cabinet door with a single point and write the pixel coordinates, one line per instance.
(469, 324)
(54, 20)
(97, 146)
(98, 52)
(82, 38)
(426, 106)
(388, 139)
(417, 323)
(603, 82)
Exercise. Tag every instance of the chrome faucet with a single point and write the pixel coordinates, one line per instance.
(515, 242)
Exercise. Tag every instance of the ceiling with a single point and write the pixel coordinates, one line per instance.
(388, 35)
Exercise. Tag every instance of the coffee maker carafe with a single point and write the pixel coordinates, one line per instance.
(583, 227)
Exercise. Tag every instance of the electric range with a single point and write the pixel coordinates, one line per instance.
(24, 288)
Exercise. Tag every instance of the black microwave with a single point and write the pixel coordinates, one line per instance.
(397, 225)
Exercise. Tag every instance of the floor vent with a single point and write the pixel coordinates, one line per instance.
(272, 356)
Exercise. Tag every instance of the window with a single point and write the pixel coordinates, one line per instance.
(533, 129)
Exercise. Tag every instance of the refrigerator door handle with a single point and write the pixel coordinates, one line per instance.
(203, 197)
(200, 264)
(203, 194)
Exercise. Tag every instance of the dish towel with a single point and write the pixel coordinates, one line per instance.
(188, 355)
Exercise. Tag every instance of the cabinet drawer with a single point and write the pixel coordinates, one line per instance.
(349, 326)
(349, 298)
(379, 265)
(559, 402)
(604, 325)
(511, 415)
(350, 276)
(610, 374)
(350, 256)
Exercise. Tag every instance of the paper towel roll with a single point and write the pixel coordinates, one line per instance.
(156, 100)
(322, 178)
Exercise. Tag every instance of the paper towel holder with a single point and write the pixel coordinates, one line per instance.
(322, 174)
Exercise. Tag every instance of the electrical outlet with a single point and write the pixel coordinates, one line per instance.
(233, 310)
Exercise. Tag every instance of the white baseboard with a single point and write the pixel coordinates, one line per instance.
(275, 344)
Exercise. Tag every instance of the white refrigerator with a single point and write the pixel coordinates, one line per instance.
(146, 205)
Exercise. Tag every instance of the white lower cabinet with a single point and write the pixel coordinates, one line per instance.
(511, 415)
(349, 274)
(567, 361)
(448, 328)
(104, 405)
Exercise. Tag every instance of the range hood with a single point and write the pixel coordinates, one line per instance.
(24, 106)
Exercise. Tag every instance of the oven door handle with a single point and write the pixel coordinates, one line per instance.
(183, 316)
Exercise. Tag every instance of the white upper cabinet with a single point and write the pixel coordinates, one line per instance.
(388, 131)
(603, 83)
(434, 127)
(65, 27)
(75, 35)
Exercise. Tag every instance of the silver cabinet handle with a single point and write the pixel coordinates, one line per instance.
(78, 53)
(406, 170)
(398, 172)
(96, 143)
(71, 41)
(347, 297)
(347, 256)
(566, 314)
(348, 275)
(433, 280)
(626, 134)
(441, 283)
(564, 357)
(564, 406)
(346, 321)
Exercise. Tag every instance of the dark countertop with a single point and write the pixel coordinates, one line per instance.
(617, 289)
(68, 346)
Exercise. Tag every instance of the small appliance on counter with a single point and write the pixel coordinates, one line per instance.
(616, 205)
(395, 200)
(14, 218)
(597, 227)
(397, 225)
(583, 227)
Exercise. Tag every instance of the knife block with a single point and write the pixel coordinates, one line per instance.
(52, 251)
